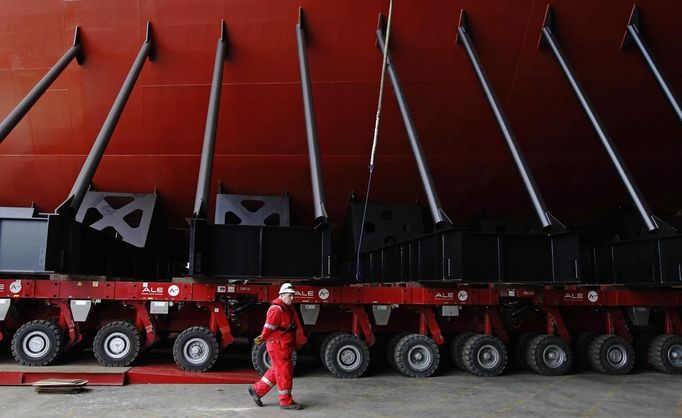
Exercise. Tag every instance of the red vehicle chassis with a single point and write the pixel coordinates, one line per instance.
(548, 330)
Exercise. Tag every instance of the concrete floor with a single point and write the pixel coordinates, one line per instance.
(383, 393)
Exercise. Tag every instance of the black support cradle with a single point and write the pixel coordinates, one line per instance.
(92, 233)
(244, 242)
(450, 254)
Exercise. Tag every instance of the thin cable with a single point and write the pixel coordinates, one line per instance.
(375, 139)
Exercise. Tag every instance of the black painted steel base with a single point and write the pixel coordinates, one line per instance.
(251, 251)
(474, 257)
(645, 261)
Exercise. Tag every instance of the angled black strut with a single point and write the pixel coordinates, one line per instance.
(549, 223)
(651, 222)
(632, 35)
(206, 166)
(80, 187)
(18, 113)
(437, 212)
(310, 128)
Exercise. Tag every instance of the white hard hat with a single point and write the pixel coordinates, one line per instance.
(286, 288)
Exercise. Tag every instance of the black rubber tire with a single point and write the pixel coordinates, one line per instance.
(191, 339)
(390, 348)
(581, 343)
(325, 341)
(549, 355)
(260, 359)
(456, 346)
(406, 354)
(521, 349)
(665, 354)
(472, 352)
(108, 341)
(40, 331)
(346, 356)
(599, 355)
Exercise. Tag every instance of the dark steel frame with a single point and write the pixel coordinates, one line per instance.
(70, 247)
(440, 219)
(654, 258)
(206, 166)
(651, 221)
(459, 255)
(549, 223)
(244, 251)
(87, 172)
(311, 130)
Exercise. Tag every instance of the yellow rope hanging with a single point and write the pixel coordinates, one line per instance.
(376, 135)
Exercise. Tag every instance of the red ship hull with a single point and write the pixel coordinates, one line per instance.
(261, 146)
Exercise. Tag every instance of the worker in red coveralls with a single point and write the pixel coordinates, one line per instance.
(282, 334)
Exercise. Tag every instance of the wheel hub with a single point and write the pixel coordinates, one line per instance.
(349, 357)
(419, 357)
(117, 345)
(617, 356)
(196, 351)
(675, 355)
(488, 356)
(553, 356)
(36, 344)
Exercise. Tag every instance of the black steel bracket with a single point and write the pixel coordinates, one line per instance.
(301, 19)
(80, 56)
(148, 39)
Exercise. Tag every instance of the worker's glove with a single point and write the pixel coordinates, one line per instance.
(258, 340)
(300, 341)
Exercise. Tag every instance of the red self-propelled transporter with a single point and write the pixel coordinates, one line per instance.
(522, 203)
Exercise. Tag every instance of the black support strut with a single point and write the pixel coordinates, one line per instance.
(311, 130)
(632, 36)
(548, 222)
(80, 187)
(76, 51)
(206, 166)
(651, 222)
(437, 212)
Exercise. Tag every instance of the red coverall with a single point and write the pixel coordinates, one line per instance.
(282, 334)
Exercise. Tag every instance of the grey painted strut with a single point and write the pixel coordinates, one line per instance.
(437, 212)
(18, 113)
(316, 177)
(548, 222)
(632, 34)
(206, 166)
(80, 187)
(547, 37)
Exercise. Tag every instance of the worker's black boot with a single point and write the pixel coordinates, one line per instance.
(255, 397)
(294, 406)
